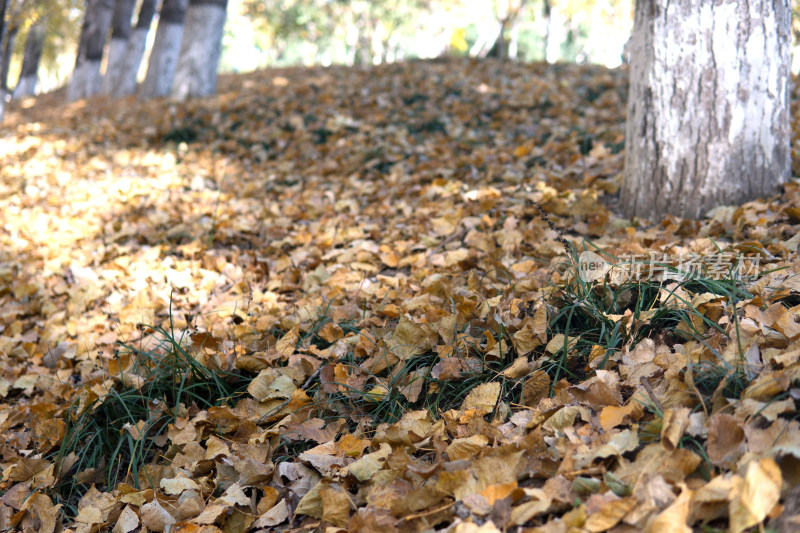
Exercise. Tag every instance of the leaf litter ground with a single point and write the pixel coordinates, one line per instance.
(352, 299)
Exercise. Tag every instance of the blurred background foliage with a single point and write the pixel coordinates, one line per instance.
(262, 33)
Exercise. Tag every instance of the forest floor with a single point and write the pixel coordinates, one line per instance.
(327, 299)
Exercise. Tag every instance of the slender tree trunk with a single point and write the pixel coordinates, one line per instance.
(556, 31)
(513, 32)
(708, 109)
(499, 47)
(3, 5)
(120, 33)
(34, 44)
(85, 80)
(5, 58)
(126, 83)
(485, 41)
(167, 46)
(200, 49)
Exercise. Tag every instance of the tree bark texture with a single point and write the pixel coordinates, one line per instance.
(34, 45)
(120, 33)
(3, 5)
(196, 75)
(126, 83)
(166, 47)
(708, 108)
(85, 80)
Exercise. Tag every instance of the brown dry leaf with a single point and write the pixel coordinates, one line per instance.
(675, 518)
(408, 339)
(558, 342)
(756, 495)
(535, 388)
(286, 345)
(365, 467)
(48, 515)
(517, 369)
(335, 505)
(128, 521)
(95, 507)
(274, 516)
(467, 447)
(609, 513)
(525, 340)
(726, 440)
(673, 424)
(351, 446)
(540, 503)
(210, 514)
(602, 389)
(492, 493)
(155, 517)
(483, 397)
(175, 486)
(311, 502)
(612, 415)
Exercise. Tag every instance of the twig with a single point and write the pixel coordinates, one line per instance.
(448, 240)
(649, 389)
(426, 513)
(559, 231)
(311, 378)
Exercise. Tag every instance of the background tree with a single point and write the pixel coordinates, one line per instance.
(496, 40)
(196, 74)
(34, 47)
(166, 47)
(3, 5)
(12, 14)
(126, 83)
(85, 80)
(52, 25)
(120, 33)
(708, 109)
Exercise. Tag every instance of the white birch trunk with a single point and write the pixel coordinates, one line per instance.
(115, 64)
(120, 33)
(556, 33)
(130, 68)
(126, 82)
(34, 44)
(86, 77)
(26, 86)
(708, 109)
(200, 50)
(166, 47)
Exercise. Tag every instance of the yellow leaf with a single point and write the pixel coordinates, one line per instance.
(758, 493)
(286, 345)
(483, 397)
(466, 448)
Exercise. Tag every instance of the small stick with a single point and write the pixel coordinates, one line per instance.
(649, 389)
(453, 236)
(426, 513)
(311, 378)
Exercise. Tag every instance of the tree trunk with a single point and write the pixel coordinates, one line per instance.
(556, 32)
(708, 108)
(167, 45)
(120, 33)
(3, 5)
(126, 83)
(28, 76)
(11, 31)
(200, 50)
(85, 80)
